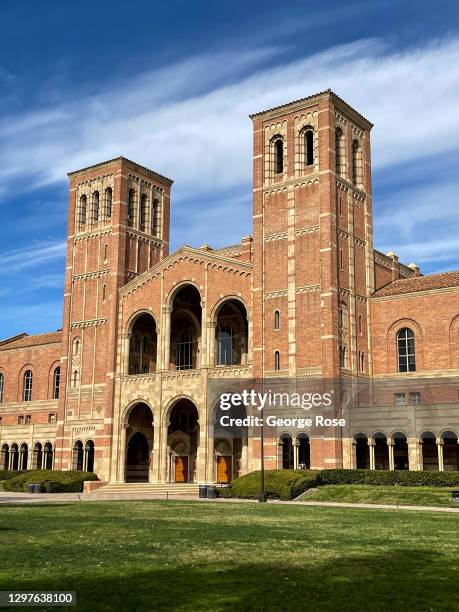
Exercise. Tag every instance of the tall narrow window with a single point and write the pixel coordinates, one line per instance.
(340, 206)
(76, 346)
(185, 350)
(155, 217)
(131, 208)
(95, 207)
(75, 378)
(56, 383)
(106, 253)
(341, 260)
(406, 350)
(27, 392)
(361, 361)
(277, 360)
(82, 212)
(356, 163)
(342, 356)
(108, 202)
(143, 212)
(339, 151)
(309, 147)
(104, 293)
(279, 156)
(276, 320)
(360, 325)
(2, 382)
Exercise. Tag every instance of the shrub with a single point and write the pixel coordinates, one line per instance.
(7, 474)
(389, 477)
(279, 484)
(51, 481)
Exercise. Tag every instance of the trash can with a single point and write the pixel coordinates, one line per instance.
(31, 487)
(202, 491)
(211, 492)
(37, 488)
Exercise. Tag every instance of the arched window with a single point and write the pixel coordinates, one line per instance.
(279, 156)
(106, 253)
(56, 382)
(131, 208)
(343, 318)
(82, 212)
(342, 356)
(155, 217)
(5, 456)
(339, 151)
(225, 345)
(277, 360)
(108, 202)
(143, 212)
(2, 383)
(48, 456)
(76, 346)
(89, 456)
(104, 293)
(95, 207)
(37, 456)
(23, 456)
(75, 378)
(356, 163)
(406, 350)
(185, 350)
(308, 147)
(78, 455)
(276, 320)
(27, 391)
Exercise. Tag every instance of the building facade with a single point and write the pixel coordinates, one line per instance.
(123, 389)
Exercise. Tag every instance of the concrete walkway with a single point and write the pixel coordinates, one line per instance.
(24, 498)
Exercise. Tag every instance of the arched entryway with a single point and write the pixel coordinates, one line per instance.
(230, 444)
(362, 452)
(381, 450)
(5, 456)
(429, 451)
(183, 442)
(139, 438)
(78, 455)
(400, 446)
(304, 452)
(48, 456)
(89, 451)
(37, 456)
(143, 345)
(450, 451)
(14, 456)
(23, 456)
(185, 339)
(286, 451)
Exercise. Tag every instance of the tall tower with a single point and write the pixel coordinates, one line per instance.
(313, 246)
(118, 227)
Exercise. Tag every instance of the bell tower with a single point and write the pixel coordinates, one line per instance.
(118, 227)
(313, 244)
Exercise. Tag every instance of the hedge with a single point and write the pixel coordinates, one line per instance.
(403, 478)
(50, 481)
(279, 484)
(7, 474)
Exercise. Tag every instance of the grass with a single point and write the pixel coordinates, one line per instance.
(369, 494)
(158, 555)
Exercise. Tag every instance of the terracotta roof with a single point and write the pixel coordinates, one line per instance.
(124, 159)
(316, 95)
(24, 340)
(233, 250)
(420, 283)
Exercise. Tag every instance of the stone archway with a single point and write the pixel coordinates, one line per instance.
(139, 443)
(183, 442)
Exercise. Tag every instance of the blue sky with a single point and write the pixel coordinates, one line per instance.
(171, 84)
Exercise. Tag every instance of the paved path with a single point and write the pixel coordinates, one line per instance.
(24, 498)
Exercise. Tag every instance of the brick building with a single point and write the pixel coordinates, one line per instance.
(123, 388)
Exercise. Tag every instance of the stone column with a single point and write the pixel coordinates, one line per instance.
(296, 448)
(244, 454)
(280, 455)
(166, 334)
(121, 477)
(211, 476)
(371, 444)
(353, 455)
(212, 325)
(440, 443)
(155, 469)
(391, 445)
(203, 361)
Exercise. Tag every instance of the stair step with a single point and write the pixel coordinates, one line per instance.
(132, 488)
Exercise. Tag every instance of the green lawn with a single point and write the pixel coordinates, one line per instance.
(142, 556)
(370, 494)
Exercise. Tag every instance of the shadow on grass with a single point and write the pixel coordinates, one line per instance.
(405, 579)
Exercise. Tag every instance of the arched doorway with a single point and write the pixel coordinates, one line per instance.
(231, 334)
(428, 443)
(401, 458)
(362, 452)
(37, 456)
(304, 452)
(139, 434)
(450, 451)
(5, 456)
(143, 345)
(185, 328)
(230, 445)
(183, 442)
(14, 457)
(286, 450)
(381, 451)
(78, 457)
(23, 456)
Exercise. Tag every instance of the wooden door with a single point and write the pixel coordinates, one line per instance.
(224, 469)
(181, 469)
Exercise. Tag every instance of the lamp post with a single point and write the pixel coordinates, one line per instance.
(262, 498)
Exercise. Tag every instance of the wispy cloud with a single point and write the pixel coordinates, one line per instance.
(32, 256)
